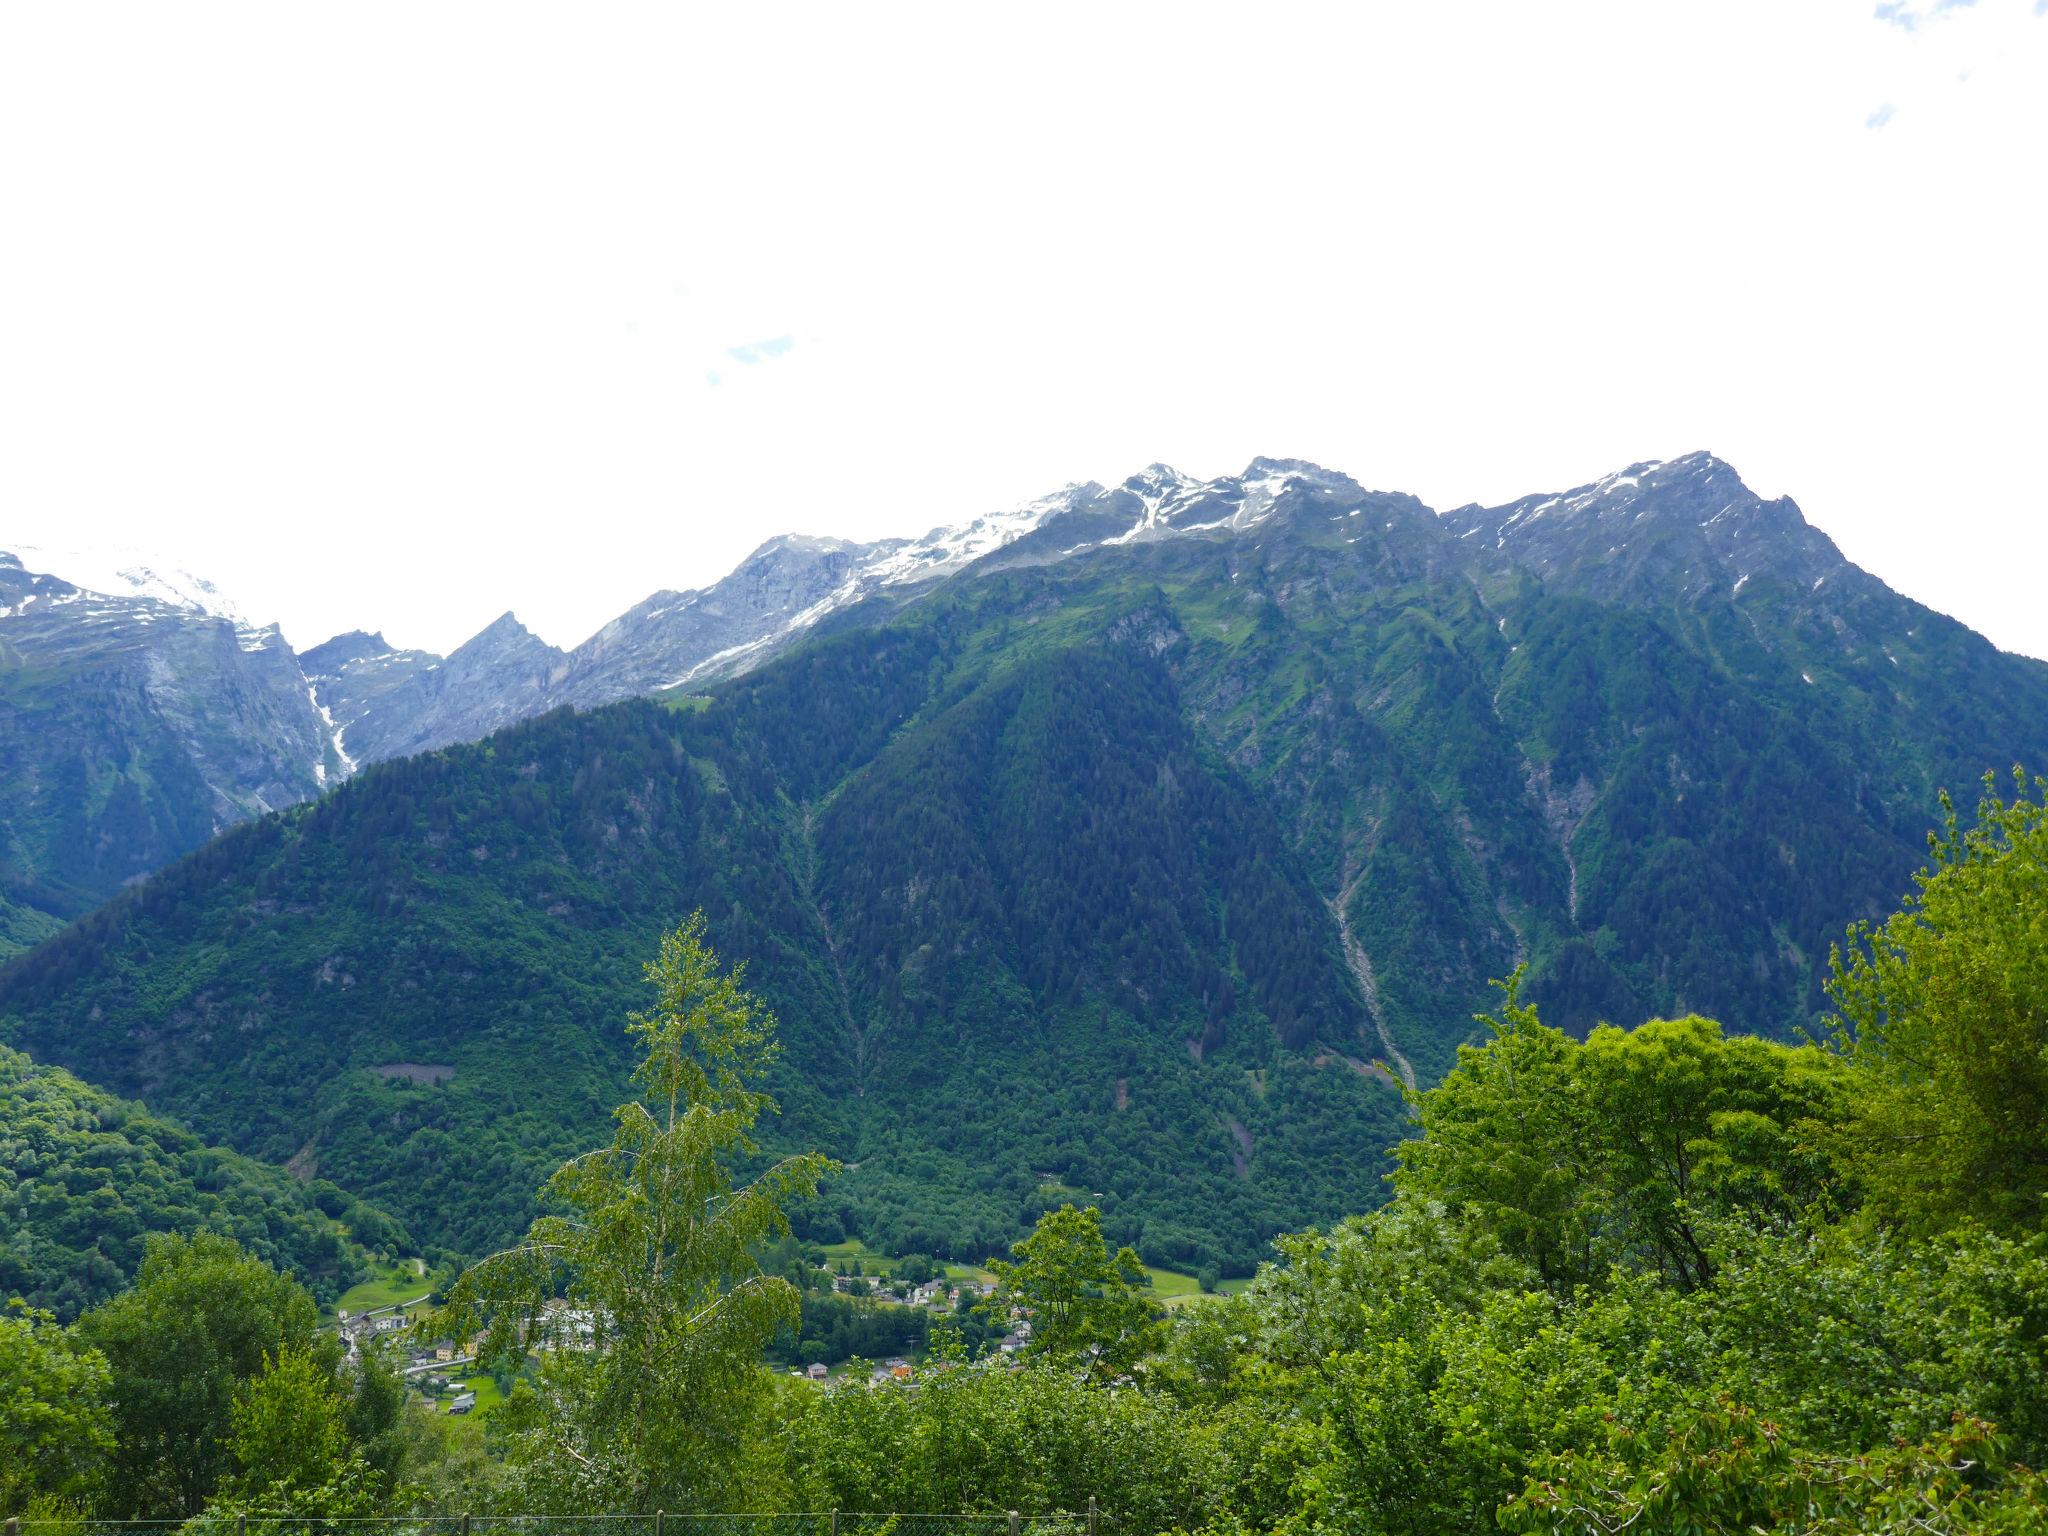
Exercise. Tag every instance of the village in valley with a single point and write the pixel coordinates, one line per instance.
(445, 1372)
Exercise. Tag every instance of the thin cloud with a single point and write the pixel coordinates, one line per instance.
(760, 351)
(1880, 117)
(1909, 17)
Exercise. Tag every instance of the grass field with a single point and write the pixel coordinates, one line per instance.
(1176, 1289)
(852, 1250)
(873, 1263)
(396, 1282)
(1171, 1286)
(487, 1394)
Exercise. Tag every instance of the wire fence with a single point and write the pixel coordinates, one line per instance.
(845, 1522)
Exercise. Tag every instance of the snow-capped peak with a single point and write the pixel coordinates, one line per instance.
(127, 574)
(946, 549)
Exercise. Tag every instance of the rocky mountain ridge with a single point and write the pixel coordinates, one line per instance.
(208, 719)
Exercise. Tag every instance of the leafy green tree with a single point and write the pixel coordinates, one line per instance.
(1690, 1124)
(200, 1322)
(1944, 1015)
(1851, 1337)
(1085, 1303)
(450, 1470)
(378, 1424)
(291, 1447)
(651, 1237)
(1625, 1149)
(917, 1268)
(1507, 1139)
(55, 1428)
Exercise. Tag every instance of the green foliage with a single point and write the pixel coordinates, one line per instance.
(1619, 1291)
(290, 1443)
(1624, 1285)
(23, 927)
(1577, 1157)
(917, 1268)
(86, 1178)
(201, 1321)
(650, 1239)
(1403, 1341)
(1728, 1469)
(1941, 1012)
(55, 1430)
(833, 1329)
(971, 1440)
(1086, 1305)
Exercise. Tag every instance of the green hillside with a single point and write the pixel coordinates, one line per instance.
(967, 1005)
(85, 1178)
(1110, 875)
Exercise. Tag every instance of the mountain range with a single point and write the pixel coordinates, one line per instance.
(1128, 845)
(140, 712)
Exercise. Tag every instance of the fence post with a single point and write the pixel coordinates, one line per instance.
(1013, 1523)
(659, 1516)
(13, 1526)
(1091, 1515)
(465, 1523)
(835, 1523)
(241, 1525)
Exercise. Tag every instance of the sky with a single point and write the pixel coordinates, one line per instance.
(401, 316)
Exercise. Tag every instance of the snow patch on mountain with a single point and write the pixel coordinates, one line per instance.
(946, 549)
(129, 574)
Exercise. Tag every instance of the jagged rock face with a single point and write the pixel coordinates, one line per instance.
(132, 728)
(675, 638)
(387, 703)
(363, 686)
(390, 703)
(671, 640)
(1678, 530)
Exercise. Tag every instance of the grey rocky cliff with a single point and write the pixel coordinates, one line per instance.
(1678, 530)
(132, 728)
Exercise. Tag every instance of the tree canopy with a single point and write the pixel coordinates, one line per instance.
(1085, 1304)
(1943, 1010)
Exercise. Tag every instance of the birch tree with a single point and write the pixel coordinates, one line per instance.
(639, 1288)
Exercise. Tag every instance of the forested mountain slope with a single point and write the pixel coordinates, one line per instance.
(972, 1009)
(1107, 866)
(85, 1178)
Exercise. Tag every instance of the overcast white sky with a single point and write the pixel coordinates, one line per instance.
(400, 316)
